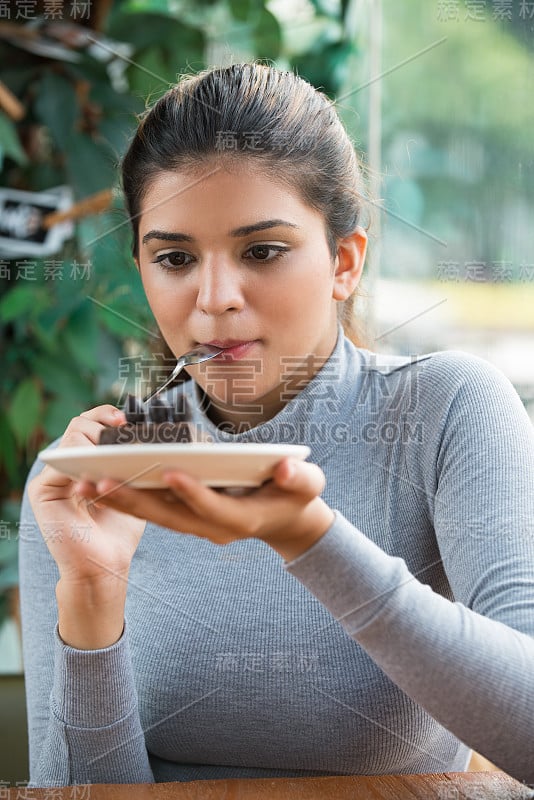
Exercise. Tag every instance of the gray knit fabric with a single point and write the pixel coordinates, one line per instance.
(397, 642)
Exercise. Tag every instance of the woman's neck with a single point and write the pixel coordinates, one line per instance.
(238, 418)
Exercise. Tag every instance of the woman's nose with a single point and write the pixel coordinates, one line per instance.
(219, 288)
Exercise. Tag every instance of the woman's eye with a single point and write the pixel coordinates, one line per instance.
(261, 252)
(173, 260)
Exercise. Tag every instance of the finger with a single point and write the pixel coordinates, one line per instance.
(301, 477)
(86, 490)
(80, 433)
(225, 511)
(106, 415)
(144, 504)
(85, 429)
(49, 484)
(220, 517)
(52, 477)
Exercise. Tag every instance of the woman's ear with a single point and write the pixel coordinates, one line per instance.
(136, 262)
(349, 264)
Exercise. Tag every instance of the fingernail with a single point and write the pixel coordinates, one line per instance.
(172, 477)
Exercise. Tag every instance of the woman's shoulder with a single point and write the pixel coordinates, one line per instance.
(443, 368)
(443, 382)
(471, 379)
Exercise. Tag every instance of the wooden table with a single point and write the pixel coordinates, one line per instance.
(450, 786)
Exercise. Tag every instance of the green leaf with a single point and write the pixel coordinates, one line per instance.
(11, 510)
(151, 75)
(9, 141)
(164, 47)
(267, 35)
(9, 560)
(8, 449)
(80, 335)
(116, 133)
(331, 8)
(185, 50)
(17, 78)
(98, 236)
(60, 378)
(241, 9)
(113, 102)
(90, 167)
(24, 410)
(109, 354)
(118, 318)
(42, 176)
(49, 322)
(157, 30)
(142, 6)
(59, 413)
(326, 67)
(21, 300)
(57, 107)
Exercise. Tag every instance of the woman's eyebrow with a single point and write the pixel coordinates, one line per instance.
(167, 236)
(245, 230)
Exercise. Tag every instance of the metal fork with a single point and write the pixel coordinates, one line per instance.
(195, 356)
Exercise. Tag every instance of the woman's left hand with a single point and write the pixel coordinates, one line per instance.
(286, 512)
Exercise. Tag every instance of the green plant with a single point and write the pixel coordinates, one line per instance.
(67, 319)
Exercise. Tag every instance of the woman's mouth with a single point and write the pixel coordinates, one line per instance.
(233, 350)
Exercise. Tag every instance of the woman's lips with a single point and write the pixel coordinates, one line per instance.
(232, 350)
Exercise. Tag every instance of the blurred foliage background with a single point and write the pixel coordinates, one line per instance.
(82, 73)
(456, 263)
(457, 241)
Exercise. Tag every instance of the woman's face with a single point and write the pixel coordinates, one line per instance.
(235, 259)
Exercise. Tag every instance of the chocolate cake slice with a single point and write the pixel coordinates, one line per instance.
(152, 423)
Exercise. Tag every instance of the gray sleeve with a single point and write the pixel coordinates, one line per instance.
(83, 721)
(469, 663)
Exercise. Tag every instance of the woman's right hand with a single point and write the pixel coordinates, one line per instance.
(92, 545)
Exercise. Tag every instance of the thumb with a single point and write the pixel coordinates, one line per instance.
(300, 477)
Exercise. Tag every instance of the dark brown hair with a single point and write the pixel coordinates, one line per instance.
(273, 118)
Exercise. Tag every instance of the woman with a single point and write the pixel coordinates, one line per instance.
(372, 610)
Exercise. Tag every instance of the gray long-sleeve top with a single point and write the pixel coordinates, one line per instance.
(400, 640)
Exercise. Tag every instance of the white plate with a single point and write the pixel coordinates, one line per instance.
(142, 465)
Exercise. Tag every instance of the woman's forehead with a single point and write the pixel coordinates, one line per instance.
(216, 192)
